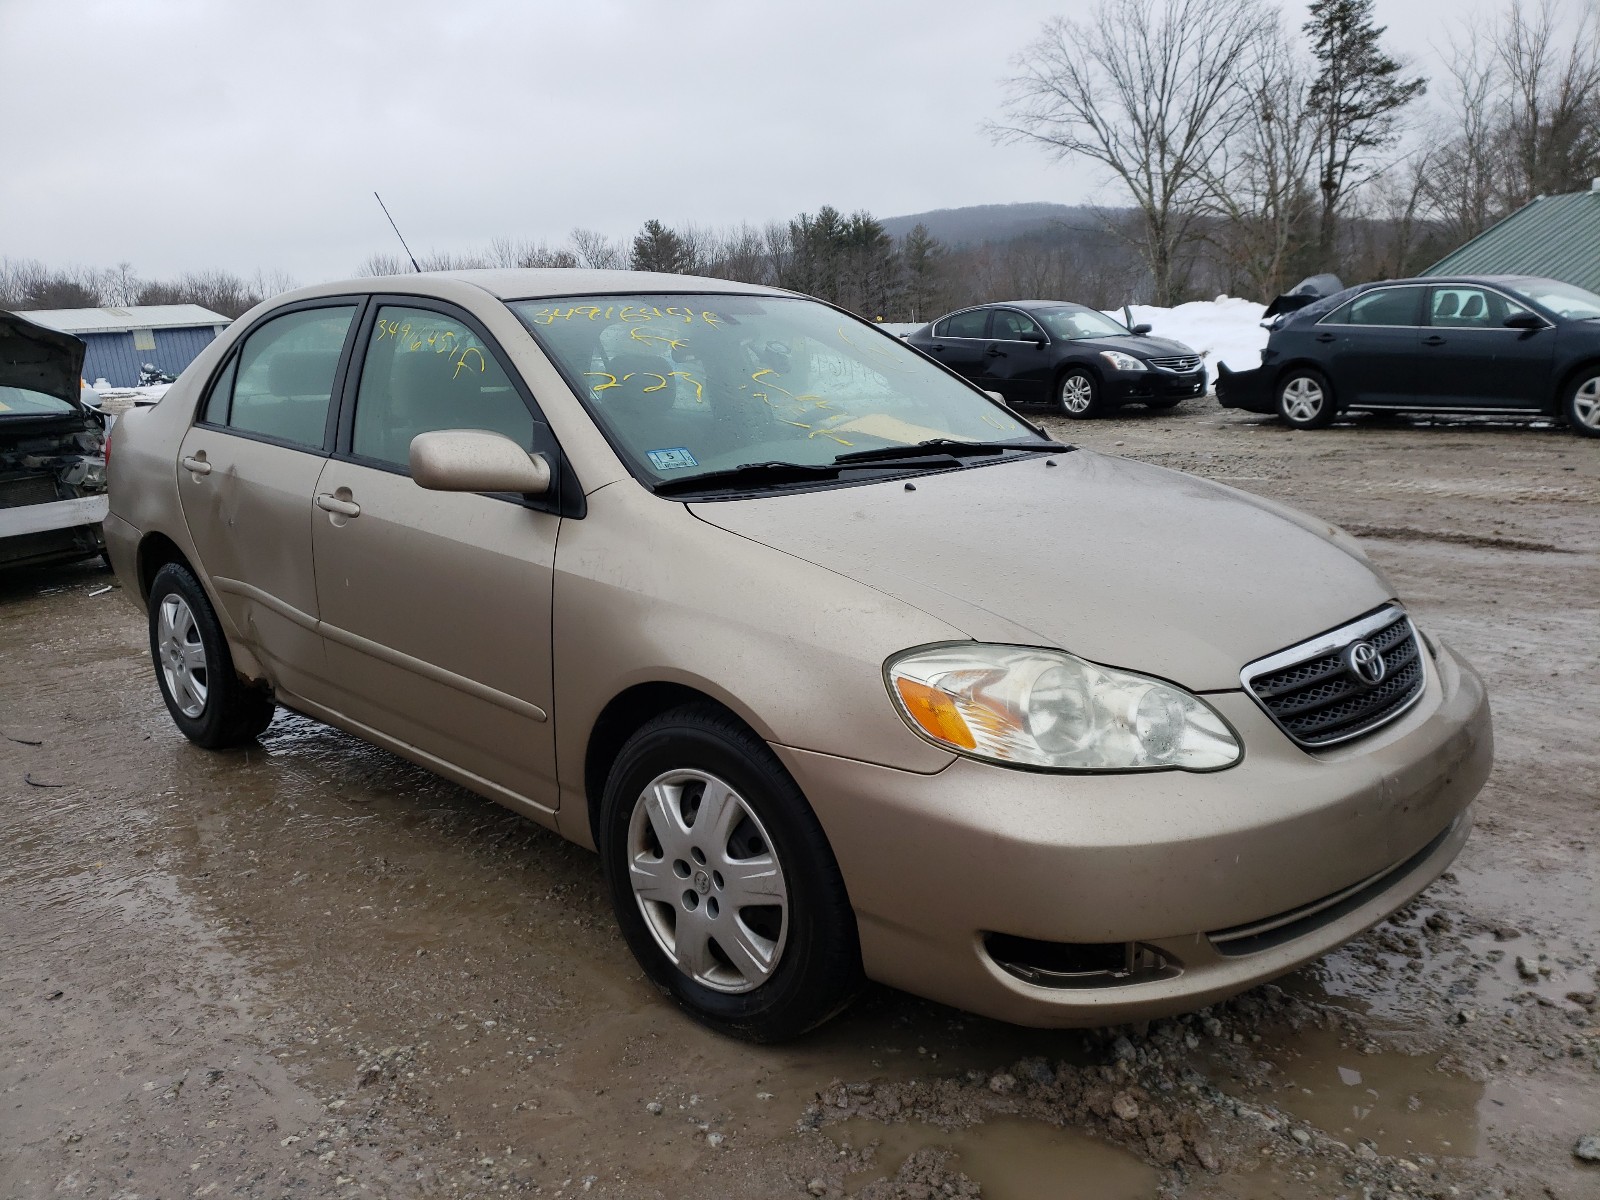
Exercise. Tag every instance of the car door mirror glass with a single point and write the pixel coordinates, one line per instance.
(1140, 330)
(476, 460)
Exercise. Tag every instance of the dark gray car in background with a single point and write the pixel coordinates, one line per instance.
(1473, 344)
(1075, 358)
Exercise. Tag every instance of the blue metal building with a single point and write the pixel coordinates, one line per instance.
(120, 341)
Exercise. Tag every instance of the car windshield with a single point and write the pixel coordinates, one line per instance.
(685, 385)
(1076, 323)
(1562, 299)
(25, 402)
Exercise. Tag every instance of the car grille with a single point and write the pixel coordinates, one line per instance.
(1315, 696)
(1184, 362)
(31, 489)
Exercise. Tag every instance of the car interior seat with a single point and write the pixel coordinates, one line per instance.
(429, 390)
(1446, 307)
(294, 405)
(1474, 309)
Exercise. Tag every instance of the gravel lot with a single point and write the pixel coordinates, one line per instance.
(311, 969)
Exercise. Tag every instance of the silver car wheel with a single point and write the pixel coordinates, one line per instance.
(708, 881)
(1586, 404)
(1302, 399)
(183, 656)
(1077, 394)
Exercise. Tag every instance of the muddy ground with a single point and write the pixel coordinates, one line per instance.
(311, 969)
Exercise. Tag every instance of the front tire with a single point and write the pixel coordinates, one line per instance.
(1581, 405)
(1305, 399)
(208, 701)
(1078, 394)
(722, 881)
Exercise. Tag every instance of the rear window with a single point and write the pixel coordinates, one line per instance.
(25, 402)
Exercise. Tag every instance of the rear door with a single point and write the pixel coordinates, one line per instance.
(436, 605)
(246, 472)
(1471, 360)
(1370, 346)
(958, 342)
(1017, 359)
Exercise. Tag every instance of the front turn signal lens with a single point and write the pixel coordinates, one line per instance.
(935, 712)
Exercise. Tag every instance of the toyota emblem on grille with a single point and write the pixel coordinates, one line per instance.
(1363, 661)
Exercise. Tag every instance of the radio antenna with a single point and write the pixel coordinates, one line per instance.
(397, 232)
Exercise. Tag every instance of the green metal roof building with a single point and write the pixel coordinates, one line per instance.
(1557, 237)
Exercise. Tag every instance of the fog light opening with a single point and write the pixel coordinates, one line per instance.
(1078, 964)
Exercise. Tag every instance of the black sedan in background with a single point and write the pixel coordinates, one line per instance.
(1047, 352)
(1479, 344)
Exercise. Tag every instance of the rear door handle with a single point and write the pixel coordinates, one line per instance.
(937, 348)
(345, 508)
(1435, 340)
(1325, 337)
(197, 465)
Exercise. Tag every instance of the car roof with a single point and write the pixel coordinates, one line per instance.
(1449, 280)
(531, 283)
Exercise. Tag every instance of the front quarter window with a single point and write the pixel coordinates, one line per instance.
(688, 384)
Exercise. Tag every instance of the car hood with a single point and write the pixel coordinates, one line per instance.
(40, 359)
(1139, 347)
(1117, 561)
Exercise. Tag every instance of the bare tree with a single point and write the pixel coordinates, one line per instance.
(1148, 89)
(598, 252)
(1258, 191)
(1553, 98)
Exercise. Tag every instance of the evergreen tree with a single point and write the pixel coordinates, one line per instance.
(1356, 99)
(657, 248)
(922, 257)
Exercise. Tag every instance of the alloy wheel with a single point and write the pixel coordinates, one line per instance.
(1077, 394)
(1586, 404)
(183, 655)
(707, 879)
(1302, 399)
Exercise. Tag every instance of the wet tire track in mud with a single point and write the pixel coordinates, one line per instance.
(309, 968)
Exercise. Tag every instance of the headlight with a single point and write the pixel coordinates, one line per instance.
(1041, 708)
(1124, 362)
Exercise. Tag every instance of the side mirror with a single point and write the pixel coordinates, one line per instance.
(1037, 338)
(1523, 320)
(475, 460)
(997, 398)
(1140, 330)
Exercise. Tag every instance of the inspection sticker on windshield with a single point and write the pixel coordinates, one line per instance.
(671, 460)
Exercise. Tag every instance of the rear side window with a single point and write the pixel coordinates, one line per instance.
(1470, 308)
(281, 381)
(1384, 306)
(964, 325)
(424, 371)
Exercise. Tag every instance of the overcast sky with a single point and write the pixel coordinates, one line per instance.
(186, 134)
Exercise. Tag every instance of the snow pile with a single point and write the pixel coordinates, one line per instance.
(1226, 329)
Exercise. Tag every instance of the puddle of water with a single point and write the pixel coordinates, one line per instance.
(1012, 1158)
(1403, 1104)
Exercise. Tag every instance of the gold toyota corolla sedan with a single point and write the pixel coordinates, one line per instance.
(845, 669)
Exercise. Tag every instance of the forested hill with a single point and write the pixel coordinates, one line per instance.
(981, 223)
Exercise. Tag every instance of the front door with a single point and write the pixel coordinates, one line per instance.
(1470, 359)
(246, 472)
(958, 342)
(436, 605)
(1017, 359)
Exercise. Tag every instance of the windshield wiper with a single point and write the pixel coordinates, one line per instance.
(947, 448)
(748, 473)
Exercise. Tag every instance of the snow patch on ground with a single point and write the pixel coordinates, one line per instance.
(1226, 329)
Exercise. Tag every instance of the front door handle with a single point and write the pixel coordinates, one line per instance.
(1435, 340)
(936, 348)
(995, 352)
(196, 464)
(344, 508)
(1325, 337)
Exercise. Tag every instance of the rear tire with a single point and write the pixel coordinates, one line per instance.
(1581, 406)
(1078, 394)
(208, 701)
(1305, 399)
(745, 922)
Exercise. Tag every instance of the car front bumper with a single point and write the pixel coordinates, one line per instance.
(1229, 878)
(1131, 387)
